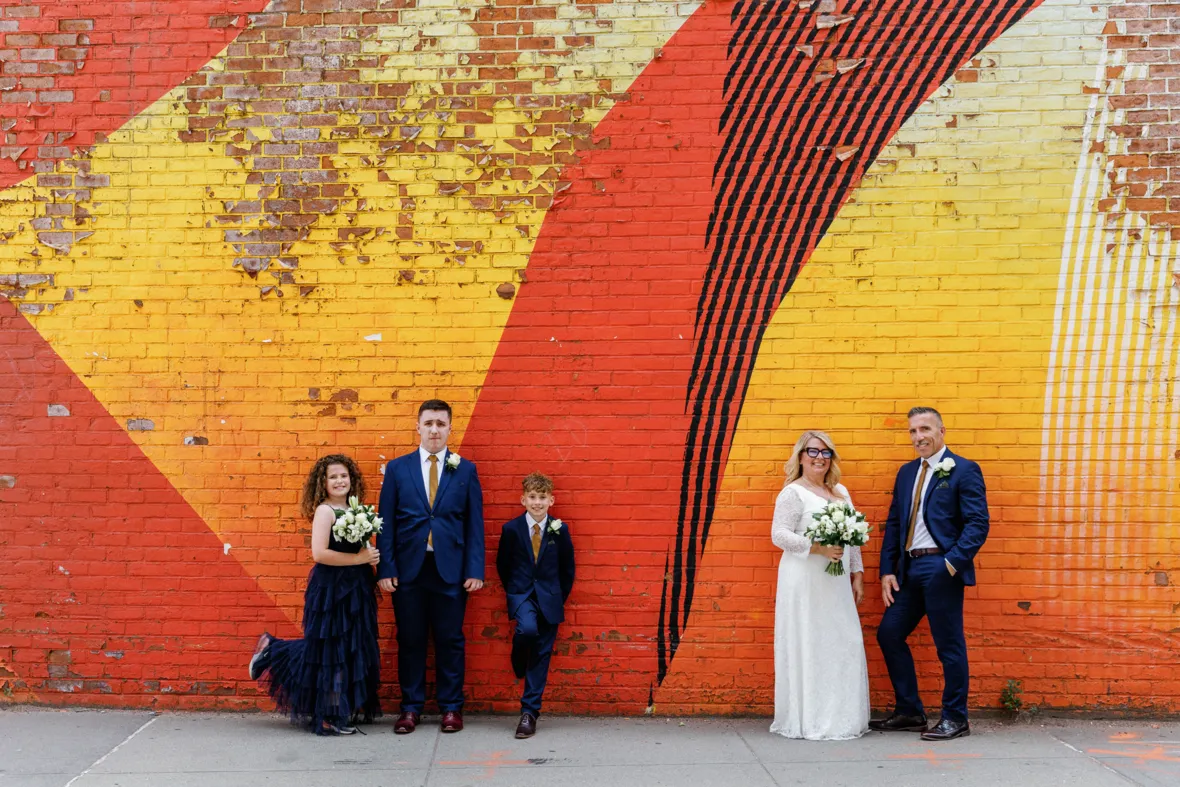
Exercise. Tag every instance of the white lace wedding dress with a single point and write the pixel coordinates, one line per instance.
(821, 680)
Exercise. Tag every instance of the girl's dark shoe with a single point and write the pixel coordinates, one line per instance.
(258, 660)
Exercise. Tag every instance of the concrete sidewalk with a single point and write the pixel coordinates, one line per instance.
(87, 748)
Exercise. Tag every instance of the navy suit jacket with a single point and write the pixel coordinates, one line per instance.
(550, 577)
(955, 512)
(456, 521)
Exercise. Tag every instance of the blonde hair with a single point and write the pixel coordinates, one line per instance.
(794, 466)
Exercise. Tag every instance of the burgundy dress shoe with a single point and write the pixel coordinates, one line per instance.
(899, 722)
(406, 723)
(947, 729)
(452, 721)
(528, 725)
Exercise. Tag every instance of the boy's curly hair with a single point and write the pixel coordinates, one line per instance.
(315, 488)
(539, 483)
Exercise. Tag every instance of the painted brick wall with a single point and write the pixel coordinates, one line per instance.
(639, 246)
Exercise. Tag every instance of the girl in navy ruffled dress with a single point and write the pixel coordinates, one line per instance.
(328, 680)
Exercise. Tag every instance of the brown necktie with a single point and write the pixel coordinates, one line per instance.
(433, 491)
(909, 540)
(536, 542)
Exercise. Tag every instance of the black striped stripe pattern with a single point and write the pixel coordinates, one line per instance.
(810, 101)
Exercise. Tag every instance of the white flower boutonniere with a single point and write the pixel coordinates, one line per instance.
(555, 526)
(944, 467)
(453, 461)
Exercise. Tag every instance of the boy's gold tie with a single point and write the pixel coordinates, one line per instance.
(536, 542)
(433, 491)
(909, 540)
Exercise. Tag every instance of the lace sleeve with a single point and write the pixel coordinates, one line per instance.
(788, 513)
(855, 561)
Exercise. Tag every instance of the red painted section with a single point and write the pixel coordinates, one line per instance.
(113, 586)
(589, 379)
(71, 71)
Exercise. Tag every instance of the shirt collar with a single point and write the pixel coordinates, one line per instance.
(423, 454)
(529, 519)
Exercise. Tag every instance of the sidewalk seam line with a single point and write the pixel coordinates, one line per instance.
(1118, 773)
(757, 759)
(433, 756)
(119, 745)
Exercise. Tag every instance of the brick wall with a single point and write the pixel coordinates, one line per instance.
(639, 246)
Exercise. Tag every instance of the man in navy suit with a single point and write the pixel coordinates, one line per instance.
(432, 556)
(937, 522)
(535, 562)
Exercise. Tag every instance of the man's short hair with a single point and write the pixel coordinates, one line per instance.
(539, 483)
(923, 411)
(435, 404)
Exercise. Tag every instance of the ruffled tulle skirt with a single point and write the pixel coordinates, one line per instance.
(332, 674)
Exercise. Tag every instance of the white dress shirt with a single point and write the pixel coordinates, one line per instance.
(424, 463)
(922, 537)
(528, 519)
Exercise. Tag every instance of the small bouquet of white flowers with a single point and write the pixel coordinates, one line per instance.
(356, 523)
(838, 524)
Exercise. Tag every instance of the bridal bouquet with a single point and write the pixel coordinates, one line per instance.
(356, 523)
(838, 524)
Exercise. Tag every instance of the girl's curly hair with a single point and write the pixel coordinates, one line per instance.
(315, 488)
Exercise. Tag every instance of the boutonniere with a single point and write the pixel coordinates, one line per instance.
(555, 526)
(944, 468)
(453, 461)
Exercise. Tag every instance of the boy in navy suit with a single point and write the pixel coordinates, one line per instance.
(536, 566)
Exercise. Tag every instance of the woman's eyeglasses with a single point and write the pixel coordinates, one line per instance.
(816, 453)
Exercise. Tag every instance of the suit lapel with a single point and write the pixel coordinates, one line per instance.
(934, 481)
(444, 479)
(912, 470)
(526, 539)
(414, 467)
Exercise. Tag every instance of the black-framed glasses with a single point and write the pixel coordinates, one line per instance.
(816, 453)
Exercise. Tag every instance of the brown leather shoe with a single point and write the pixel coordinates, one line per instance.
(452, 721)
(528, 725)
(406, 723)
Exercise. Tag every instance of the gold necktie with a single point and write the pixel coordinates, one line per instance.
(536, 542)
(909, 540)
(433, 491)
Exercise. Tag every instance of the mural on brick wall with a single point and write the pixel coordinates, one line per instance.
(639, 246)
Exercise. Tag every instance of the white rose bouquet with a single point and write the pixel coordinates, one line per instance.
(838, 524)
(356, 523)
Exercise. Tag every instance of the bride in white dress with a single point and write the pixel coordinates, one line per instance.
(821, 680)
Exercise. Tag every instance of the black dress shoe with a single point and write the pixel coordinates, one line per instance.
(899, 722)
(947, 729)
(520, 659)
(527, 727)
